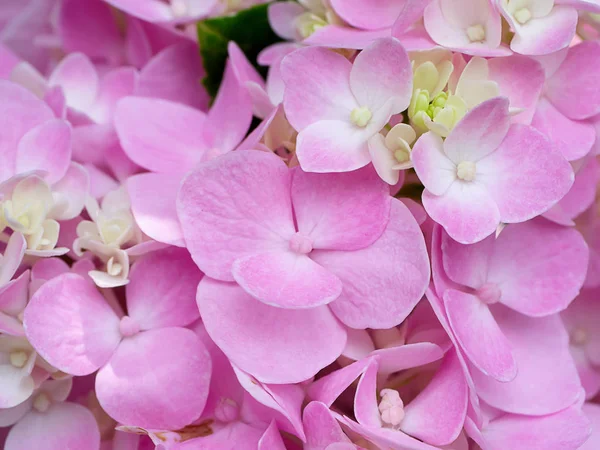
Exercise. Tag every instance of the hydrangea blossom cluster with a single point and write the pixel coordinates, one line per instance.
(382, 232)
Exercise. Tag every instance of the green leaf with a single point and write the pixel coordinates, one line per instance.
(249, 28)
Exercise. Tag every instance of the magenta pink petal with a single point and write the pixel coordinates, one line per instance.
(365, 399)
(232, 317)
(327, 389)
(157, 379)
(322, 430)
(271, 439)
(395, 359)
(234, 436)
(83, 336)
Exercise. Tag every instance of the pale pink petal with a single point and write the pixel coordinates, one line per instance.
(286, 279)
(160, 135)
(435, 170)
(412, 11)
(16, 385)
(174, 74)
(10, 416)
(153, 300)
(395, 359)
(541, 350)
(383, 282)
(335, 36)
(317, 87)
(437, 414)
(157, 379)
(153, 204)
(64, 426)
(233, 318)
(512, 176)
(115, 85)
(321, 428)
(466, 211)
(544, 35)
(592, 412)
(77, 77)
(574, 139)
(271, 439)
(380, 73)
(480, 132)
(467, 264)
(47, 148)
(252, 190)
(369, 15)
(282, 18)
(71, 326)
(12, 257)
(70, 193)
(383, 160)
(570, 89)
(325, 208)
(538, 266)
(150, 10)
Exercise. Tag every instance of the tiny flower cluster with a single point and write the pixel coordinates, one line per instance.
(390, 241)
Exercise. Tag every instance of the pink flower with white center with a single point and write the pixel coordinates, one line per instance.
(473, 27)
(501, 270)
(487, 172)
(171, 11)
(570, 99)
(337, 106)
(154, 373)
(47, 421)
(541, 26)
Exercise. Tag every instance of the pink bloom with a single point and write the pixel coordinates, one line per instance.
(153, 372)
(487, 172)
(337, 106)
(173, 11)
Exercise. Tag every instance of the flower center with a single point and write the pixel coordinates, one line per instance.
(391, 407)
(113, 268)
(466, 170)
(41, 403)
(227, 410)
(18, 359)
(361, 116)
(128, 327)
(489, 293)
(301, 243)
(308, 23)
(522, 16)
(476, 33)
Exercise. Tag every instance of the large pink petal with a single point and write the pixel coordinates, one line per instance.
(150, 10)
(77, 77)
(480, 132)
(336, 36)
(513, 177)
(381, 72)
(20, 111)
(437, 414)
(153, 300)
(173, 75)
(317, 87)
(467, 264)
(160, 135)
(282, 18)
(434, 168)
(479, 335)
(71, 326)
(541, 350)
(233, 318)
(573, 138)
(235, 205)
(153, 204)
(382, 283)
(325, 207)
(538, 266)
(570, 89)
(369, 15)
(157, 379)
(65, 426)
(286, 279)
(321, 428)
(47, 148)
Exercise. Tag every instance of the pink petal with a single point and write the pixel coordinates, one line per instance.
(434, 168)
(570, 89)
(327, 389)
(369, 15)
(317, 87)
(286, 279)
(479, 335)
(115, 85)
(383, 160)
(572, 138)
(78, 78)
(321, 428)
(382, 72)
(63, 426)
(160, 135)
(365, 399)
(173, 75)
(232, 318)
(480, 132)
(412, 11)
(157, 379)
(10, 416)
(282, 18)
(592, 412)
(512, 175)
(544, 35)
(467, 264)
(16, 385)
(153, 204)
(541, 350)
(83, 336)
(12, 257)
(70, 193)
(153, 300)
(252, 190)
(383, 282)
(437, 414)
(150, 11)
(335, 36)
(539, 267)
(407, 356)
(20, 111)
(234, 436)
(46, 147)
(325, 208)
(271, 439)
